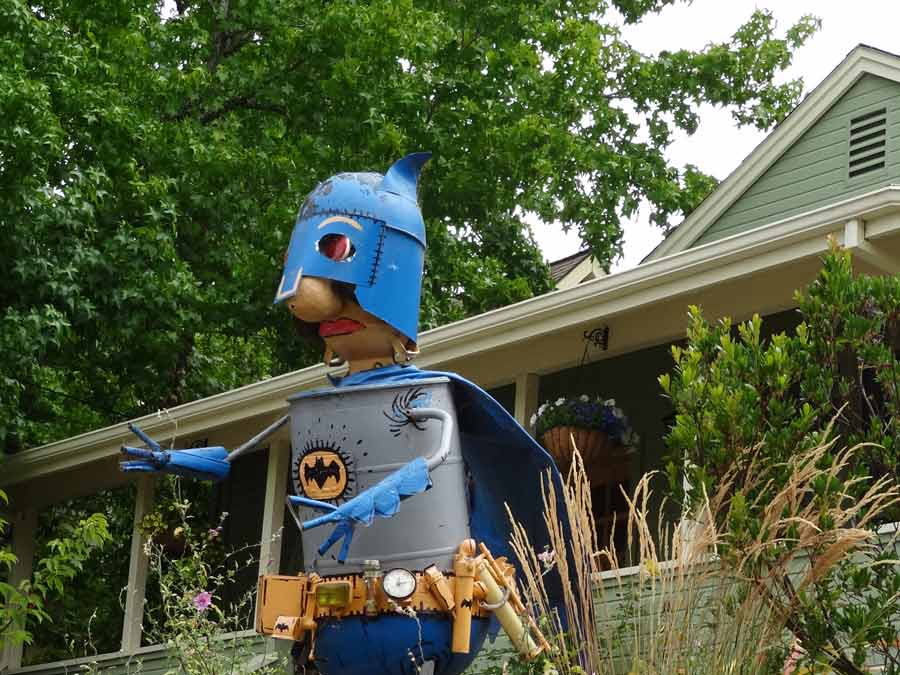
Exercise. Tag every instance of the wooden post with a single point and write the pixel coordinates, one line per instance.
(132, 626)
(526, 398)
(273, 511)
(24, 530)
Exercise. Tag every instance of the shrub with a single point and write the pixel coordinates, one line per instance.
(743, 402)
(192, 612)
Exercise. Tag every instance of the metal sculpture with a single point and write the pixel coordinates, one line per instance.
(407, 589)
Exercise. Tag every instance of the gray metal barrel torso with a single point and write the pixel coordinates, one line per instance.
(348, 439)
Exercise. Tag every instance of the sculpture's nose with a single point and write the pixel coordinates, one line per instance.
(316, 300)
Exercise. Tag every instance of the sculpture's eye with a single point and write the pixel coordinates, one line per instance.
(336, 247)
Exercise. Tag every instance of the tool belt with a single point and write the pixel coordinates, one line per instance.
(289, 607)
(311, 597)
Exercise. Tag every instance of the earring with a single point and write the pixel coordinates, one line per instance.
(331, 360)
(402, 353)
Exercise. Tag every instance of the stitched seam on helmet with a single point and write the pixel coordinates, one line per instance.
(379, 247)
(340, 212)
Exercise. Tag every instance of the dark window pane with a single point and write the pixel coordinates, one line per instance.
(506, 396)
(291, 544)
(87, 619)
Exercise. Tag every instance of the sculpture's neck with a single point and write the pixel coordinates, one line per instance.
(359, 365)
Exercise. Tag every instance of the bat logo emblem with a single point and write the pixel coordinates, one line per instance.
(319, 473)
(322, 474)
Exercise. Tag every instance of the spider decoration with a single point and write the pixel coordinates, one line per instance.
(404, 402)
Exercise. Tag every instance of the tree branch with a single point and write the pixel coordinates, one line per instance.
(241, 102)
(232, 104)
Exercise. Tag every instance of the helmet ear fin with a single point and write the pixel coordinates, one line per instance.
(403, 177)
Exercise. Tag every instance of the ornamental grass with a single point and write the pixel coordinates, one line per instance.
(691, 596)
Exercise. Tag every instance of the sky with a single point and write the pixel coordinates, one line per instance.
(844, 25)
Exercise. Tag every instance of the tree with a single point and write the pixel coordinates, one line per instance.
(744, 402)
(152, 158)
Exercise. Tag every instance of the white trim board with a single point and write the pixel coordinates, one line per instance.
(577, 274)
(860, 61)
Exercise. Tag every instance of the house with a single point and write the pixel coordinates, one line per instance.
(831, 168)
(575, 269)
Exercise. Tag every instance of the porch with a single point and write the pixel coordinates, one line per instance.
(523, 354)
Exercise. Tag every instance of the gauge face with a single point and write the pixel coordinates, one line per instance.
(398, 583)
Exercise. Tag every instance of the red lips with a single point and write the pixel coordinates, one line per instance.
(339, 327)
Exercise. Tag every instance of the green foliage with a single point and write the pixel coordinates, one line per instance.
(742, 401)
(86, 616)
(64, 559)
(152, 166)
(192, 584)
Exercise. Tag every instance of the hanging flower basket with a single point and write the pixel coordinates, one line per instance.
(594, 445)
(598, 428)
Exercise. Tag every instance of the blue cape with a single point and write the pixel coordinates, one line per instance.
(506, 464)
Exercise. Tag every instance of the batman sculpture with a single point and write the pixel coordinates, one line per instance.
(401, 476)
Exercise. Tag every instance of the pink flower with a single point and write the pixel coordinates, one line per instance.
(202, 601)
(547, 558)
(793, 659)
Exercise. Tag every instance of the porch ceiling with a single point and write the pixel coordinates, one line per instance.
(756, 271)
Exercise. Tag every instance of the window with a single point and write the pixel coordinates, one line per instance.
(87, 619)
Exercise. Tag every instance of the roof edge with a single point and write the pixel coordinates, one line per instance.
(861, 60)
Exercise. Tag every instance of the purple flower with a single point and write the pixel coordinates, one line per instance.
(202, 601)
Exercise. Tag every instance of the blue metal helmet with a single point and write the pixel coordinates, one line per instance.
(365, 229)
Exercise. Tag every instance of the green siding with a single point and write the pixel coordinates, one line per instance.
(813, 172)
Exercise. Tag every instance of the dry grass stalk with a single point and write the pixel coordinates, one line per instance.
(682, 608)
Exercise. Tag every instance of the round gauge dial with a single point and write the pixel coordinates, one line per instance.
(398, 583)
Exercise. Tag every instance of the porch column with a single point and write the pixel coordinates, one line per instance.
(138, 565)
(273, 511)
(855, 240)
(24, 532)
(526, 398)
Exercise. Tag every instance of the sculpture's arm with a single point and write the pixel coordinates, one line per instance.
(212, 463)
(382, 499)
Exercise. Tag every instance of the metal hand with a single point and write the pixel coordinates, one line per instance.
(202, 463)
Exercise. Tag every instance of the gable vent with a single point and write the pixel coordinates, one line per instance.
(868, 142)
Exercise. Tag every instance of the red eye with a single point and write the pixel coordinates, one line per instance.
(336, 247)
